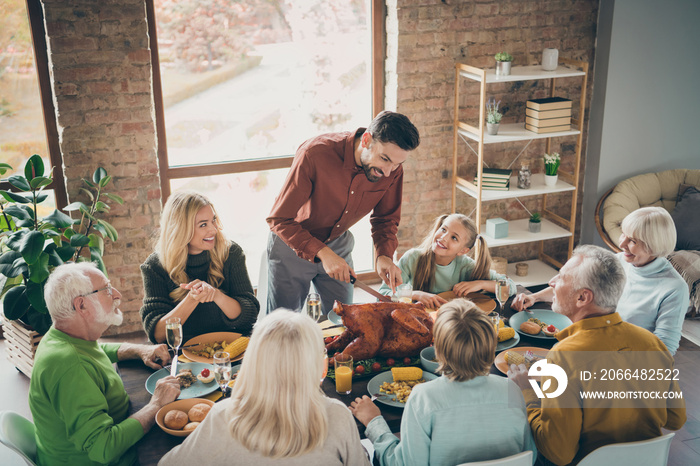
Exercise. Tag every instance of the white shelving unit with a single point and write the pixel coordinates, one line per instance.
(553, 225)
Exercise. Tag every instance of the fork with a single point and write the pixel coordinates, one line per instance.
(378, 395)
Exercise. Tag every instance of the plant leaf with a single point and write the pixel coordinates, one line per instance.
(74, 206)
(65, 252)
(110, 230)
(32, 246)
(19, 182)
(101, 206)
(14, 240)
(21, 212)
(96, 242)
(7, 266)
(105, 181)
(39, 321)
(4, 167)
(88, 183)
(54, 259)
(99, 174)
(114, 198)
(78, 240)
(96, 257)
(59, 219)
(101, 229)
(14, 197)
(41, 197)
(34, 167)
(39, 182)
(10, 283)
(39, 271)
(16, 303)
(35, 295)
(88, 193)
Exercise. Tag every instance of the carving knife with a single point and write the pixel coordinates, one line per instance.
(370, 290)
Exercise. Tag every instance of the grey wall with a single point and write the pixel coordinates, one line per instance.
(646, 96)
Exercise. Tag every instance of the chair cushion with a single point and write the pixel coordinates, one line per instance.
(686, 216)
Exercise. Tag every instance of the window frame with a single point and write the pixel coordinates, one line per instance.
(35, 14)
(167, 173)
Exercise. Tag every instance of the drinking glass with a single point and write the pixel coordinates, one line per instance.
(404, 292)
(343, 374)
(325, 365)
(313, 306)
(495, 318)
(502, 291)
(173, 334)
(222, 370)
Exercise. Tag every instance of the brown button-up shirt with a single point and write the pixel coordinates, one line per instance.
(326, 193)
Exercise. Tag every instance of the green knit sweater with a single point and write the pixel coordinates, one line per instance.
(206, 317)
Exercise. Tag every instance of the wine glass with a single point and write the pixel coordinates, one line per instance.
(313, 306)
(222, 370)
(173, 334)
(502, 291)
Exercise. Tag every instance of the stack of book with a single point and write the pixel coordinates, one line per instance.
(548, 115)
(494, 179)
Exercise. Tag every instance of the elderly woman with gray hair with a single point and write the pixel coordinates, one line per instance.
(655, 296)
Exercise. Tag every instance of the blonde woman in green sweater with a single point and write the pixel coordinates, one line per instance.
(195, 274)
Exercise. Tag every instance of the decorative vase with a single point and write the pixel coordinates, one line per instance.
(492, 128)
(524, 177)
(534, 227)
(550, 180)
(550, 59)
(503, 68)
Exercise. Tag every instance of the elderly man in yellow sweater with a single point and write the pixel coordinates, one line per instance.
(615, 382)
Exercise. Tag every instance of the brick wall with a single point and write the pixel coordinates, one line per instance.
(101, 75)
(101, 69)
(431, 37)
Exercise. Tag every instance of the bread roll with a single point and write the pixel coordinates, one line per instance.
(191, 426)
(175, 419)
(530, 328)
(198, 412)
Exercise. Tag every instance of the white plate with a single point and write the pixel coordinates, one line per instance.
(335, 318)
(390, 400)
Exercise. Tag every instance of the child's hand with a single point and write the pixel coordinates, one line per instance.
(462, 289)
(364, 410)
(429, 300)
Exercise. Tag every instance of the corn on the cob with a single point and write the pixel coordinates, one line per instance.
(512, 357)
(235, 348)
(505, 333)
(501, 324)
(406, 373)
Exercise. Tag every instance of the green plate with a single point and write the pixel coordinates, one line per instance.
(545, 315)
(390, 400)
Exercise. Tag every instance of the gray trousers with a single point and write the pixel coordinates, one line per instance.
(289, 276)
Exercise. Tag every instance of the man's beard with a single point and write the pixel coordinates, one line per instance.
(368, 173)
(111, 318)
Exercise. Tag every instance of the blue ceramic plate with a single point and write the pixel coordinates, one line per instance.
(197, 389)
(335, 318)
(545, 315)
(390, 400)
(504, 345)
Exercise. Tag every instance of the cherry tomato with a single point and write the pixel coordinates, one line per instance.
(328, 340)
(376, 367)
(359, 370)
(205, 373)
(407, 361)
(551, 328)
(390, 362)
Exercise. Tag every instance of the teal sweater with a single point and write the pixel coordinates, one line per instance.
(206, 317)
(446, 276)
(79, 404)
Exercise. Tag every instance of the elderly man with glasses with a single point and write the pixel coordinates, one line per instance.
(78, 401)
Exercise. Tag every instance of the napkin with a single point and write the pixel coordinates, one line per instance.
(330, 332)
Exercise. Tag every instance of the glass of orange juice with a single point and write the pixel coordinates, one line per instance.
(325, 365)
(343, 374)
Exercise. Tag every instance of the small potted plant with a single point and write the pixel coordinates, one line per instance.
(535, 223)
(551, 166)
(503, 62)
(493, 116)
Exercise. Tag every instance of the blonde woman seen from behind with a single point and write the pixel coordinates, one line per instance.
(195, 274)
(277, 413)
(441, 263)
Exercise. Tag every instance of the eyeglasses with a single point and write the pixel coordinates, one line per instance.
(108, 288)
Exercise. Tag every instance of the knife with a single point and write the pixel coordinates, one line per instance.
(370, 290)
(173, 365)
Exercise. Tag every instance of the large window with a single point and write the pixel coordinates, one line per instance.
(244, 83)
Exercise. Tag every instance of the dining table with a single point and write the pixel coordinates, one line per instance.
(157, 443)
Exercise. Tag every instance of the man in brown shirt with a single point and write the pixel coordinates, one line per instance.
(335, 180)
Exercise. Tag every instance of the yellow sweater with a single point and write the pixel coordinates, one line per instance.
(570, 426)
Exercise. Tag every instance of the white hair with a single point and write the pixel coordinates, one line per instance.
(654, 227)
(278, 409)
(67, 282)
(601, 272)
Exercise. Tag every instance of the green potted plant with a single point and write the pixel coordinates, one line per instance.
(493, 116)
(535, 223)
(503, 62)
(551, 167)
(31, 247)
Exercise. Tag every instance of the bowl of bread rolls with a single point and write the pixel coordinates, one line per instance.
(180, 418)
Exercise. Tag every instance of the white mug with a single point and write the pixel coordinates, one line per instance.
(550, 59)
